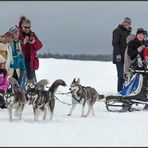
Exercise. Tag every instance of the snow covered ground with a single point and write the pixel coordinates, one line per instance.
(103, 129)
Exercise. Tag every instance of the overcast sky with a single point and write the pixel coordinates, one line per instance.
(74, 26)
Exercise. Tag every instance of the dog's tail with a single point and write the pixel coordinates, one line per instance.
(100, 97)
(56, 84)
(43, 82)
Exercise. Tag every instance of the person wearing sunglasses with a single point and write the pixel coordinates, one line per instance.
(119, 37)
(30, 46)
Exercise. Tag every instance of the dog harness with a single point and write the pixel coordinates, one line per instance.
(79, 94)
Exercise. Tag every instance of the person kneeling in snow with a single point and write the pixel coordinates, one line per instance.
(4, 82)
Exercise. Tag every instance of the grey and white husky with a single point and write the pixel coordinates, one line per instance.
(43, 100)
(82, 95)
(32, 88)
(15, 99)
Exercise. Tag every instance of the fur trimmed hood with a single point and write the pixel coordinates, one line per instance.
(130, 37)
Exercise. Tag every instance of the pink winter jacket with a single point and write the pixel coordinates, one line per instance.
(4, 83)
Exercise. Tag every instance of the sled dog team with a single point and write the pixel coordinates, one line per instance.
(43, 100)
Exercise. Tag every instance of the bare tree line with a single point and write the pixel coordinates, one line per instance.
(86, 57)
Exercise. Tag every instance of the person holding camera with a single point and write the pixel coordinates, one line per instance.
(119, 43)
(136, 46)
(136, 53)
(30, 45)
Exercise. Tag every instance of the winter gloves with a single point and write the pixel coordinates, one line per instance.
(141, 48)
(118, 58)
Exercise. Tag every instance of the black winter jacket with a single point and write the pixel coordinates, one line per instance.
(119, 42)
(133, 46)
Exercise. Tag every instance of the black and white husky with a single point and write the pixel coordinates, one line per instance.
(43, 100)
(33, 87)
(15, 99)
(82, 95)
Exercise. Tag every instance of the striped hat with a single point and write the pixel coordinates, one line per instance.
(14, 29)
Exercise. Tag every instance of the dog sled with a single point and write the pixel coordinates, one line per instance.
(135, 92)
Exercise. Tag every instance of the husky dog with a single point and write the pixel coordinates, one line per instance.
(32, 88)
(43, 100)
(15, 99)
(81, 95)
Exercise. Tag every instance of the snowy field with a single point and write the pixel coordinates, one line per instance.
(103, 129)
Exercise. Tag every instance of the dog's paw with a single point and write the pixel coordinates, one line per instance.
(68, 114)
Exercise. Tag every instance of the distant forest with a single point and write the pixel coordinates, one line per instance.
(77, 57)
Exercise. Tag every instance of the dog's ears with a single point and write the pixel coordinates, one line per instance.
(74, 80)
(78, 80)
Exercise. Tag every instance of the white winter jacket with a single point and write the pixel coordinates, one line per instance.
(7, 48)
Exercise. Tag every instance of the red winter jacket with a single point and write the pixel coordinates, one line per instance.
(37, 45)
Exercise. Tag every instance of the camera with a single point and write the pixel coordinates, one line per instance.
(30, 39)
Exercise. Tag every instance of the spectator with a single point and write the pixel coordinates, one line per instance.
(4, 83)
(136, 46)
(18, 65)
(5, 48)
(119, 44)
(30, 45)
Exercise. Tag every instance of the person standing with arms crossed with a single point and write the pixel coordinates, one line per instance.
(119, 44)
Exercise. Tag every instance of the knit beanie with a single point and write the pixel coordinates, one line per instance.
(127, 19)
(140, 30)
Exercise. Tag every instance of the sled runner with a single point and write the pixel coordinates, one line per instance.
(135, 92)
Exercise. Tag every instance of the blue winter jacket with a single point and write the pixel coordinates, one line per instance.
(18, 56)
